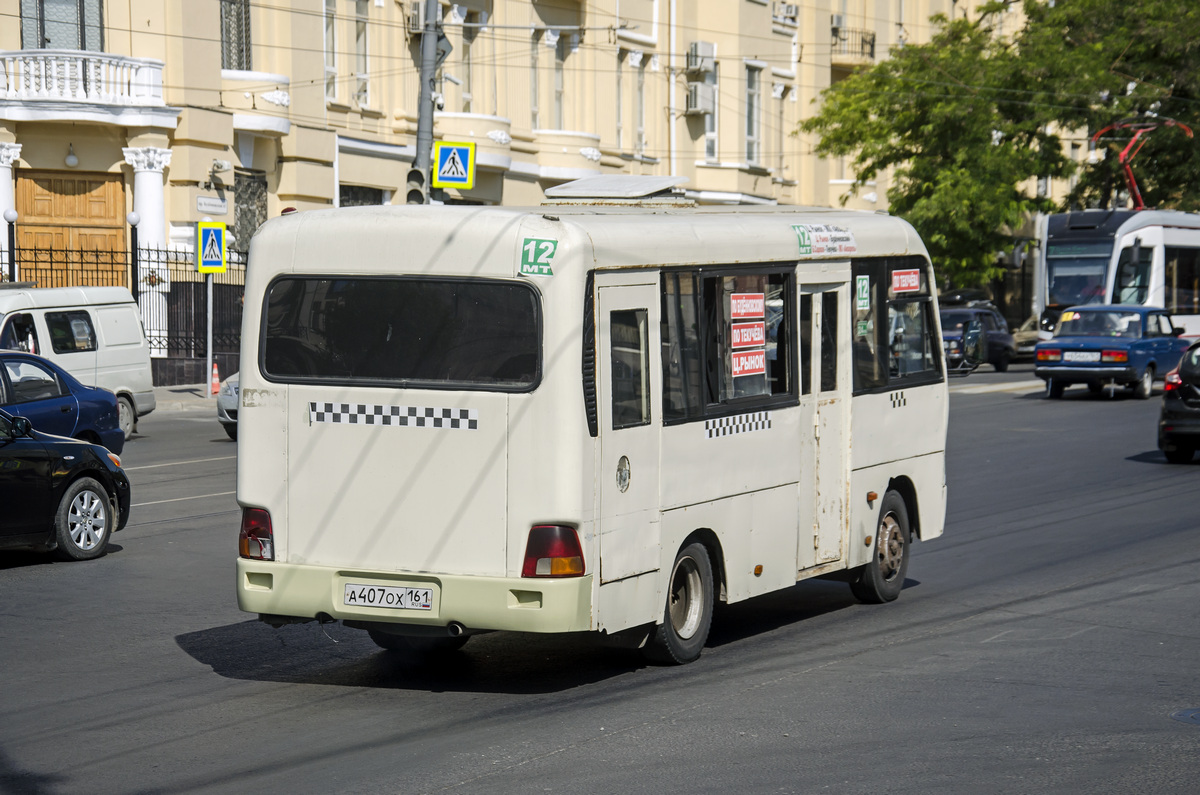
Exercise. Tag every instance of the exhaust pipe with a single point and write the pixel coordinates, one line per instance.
(455, 629)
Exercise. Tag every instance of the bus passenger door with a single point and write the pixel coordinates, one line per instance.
(825, 474)
(630, 418)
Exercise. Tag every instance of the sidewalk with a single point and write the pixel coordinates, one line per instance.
(184, 398)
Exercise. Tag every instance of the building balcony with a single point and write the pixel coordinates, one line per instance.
(72, 85)
(852, 47)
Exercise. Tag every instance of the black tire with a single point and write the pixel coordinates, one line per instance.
(1179, 454)
(1054, 388)
(126, 416)
(1144, 387)
(687, 616)
(882, 579)
(413, 644)
(1001, 364)
(84, 520)
(231, 431)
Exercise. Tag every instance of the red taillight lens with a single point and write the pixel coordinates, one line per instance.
(1172, 381)
(553, 551)
(256, 540)
(1049, 355)
(1114, 356)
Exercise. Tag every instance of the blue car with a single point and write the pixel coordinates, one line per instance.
(57, 404)
(1109, 344)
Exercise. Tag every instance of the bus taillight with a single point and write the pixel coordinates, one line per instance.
(256, 539)
(553, 551)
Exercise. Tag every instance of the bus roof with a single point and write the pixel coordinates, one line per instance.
(421, 238)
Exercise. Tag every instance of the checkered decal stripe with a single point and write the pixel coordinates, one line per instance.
(898, 399)
(400, 416)
(740, 423)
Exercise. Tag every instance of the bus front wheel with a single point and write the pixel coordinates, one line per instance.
(688, 614)
(882, 578)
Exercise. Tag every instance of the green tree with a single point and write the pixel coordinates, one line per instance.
(969, 120)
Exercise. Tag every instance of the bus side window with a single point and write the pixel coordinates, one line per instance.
(869, 372)
(829, 312)
(1182, 281)
(806, 343)
(630, 368)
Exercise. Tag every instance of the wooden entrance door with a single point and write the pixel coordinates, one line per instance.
(71, 229)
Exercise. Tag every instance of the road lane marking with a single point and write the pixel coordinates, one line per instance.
(181, 499)
(181, 463)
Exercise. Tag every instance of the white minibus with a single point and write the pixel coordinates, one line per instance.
(597, 416)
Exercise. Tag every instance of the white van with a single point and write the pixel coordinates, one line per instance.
(94, 333)
(581, 418)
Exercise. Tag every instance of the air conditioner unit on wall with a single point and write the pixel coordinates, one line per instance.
(838, 20)
(701, 56)
(701, 99)
(416, 16)
(787, 11)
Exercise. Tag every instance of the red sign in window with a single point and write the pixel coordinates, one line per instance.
(749, 335)
(749, 363)
(906, 281)
(743, 306)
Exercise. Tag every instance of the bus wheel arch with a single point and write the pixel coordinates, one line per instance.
(691, 593)
(908, 492)
(882, 578)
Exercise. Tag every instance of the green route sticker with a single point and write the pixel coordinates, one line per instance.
(804, 238)
(536, 256)
(862, 293)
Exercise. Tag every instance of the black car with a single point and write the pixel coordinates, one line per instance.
(1179, 423)
(1001, 349)
(58, 494)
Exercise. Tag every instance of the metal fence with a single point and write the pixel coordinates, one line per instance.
(171, 295)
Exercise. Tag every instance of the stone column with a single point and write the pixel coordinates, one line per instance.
(149, 202)
(9, 152)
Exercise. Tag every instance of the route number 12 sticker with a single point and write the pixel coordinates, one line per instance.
(537, 256)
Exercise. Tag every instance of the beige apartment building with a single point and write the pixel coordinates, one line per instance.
(168, 113)
(234, 110)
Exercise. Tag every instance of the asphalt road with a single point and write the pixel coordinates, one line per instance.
(1049, 642)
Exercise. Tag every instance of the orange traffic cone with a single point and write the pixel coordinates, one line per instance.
(216, 380)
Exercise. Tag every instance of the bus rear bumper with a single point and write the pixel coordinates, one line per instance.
(289, 590)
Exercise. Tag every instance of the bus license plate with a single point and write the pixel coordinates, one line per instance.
(1081, 356)
(388, 596)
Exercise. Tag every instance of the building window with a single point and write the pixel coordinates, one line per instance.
(780, 131)
(65, 25)
(711, 143)
(753, 114)
(362, 84)
(359, 196)
(639, 108)
(470, 32)
(331, 49)
(535, 119)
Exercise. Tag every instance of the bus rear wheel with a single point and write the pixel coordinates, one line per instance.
(688, 614)
(883, 577)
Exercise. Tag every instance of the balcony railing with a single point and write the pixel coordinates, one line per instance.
(853, 45)
(76, 76)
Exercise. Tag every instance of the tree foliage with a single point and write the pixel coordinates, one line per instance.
(969, 121)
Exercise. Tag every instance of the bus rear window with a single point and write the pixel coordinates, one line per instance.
(413, 332)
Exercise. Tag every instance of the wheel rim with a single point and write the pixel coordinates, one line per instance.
(87, 520)
(891, 547)
(685, 603)
(125, 417)
(1147, 381)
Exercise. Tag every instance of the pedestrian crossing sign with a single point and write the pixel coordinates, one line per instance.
(211, 249)
(453, 165)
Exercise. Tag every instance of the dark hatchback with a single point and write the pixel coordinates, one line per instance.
(58, 494)
(1179, 422)
(56, 403)
(1000, 348)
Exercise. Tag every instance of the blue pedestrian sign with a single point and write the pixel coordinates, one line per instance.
(211, 253)
(453, 165)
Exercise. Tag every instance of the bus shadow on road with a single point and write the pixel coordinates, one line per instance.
(500, 662)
